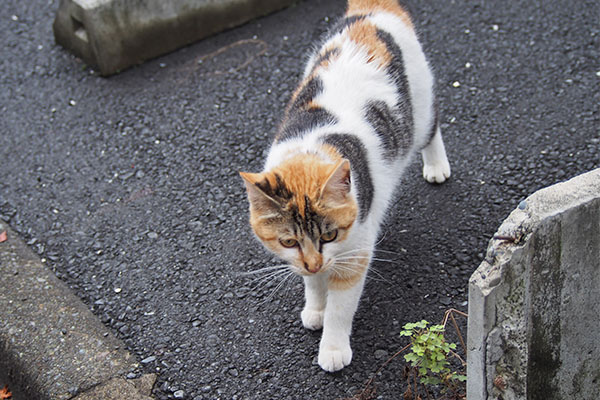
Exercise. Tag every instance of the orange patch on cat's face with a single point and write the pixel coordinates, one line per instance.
(304, 176)
(364, 33)
(364, 7)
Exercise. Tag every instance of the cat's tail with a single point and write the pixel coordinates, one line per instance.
(364, 7)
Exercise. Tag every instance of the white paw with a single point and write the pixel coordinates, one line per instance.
(312, 319)
(436, 173)
(333, 359)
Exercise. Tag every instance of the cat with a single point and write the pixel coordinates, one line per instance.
(364, 107)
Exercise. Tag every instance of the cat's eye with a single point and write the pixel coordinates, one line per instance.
(288, 242)
(329, 236)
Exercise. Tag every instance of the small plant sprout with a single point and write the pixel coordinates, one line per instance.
(428, 363)
(429, 353)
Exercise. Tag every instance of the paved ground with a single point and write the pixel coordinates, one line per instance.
(127, 187)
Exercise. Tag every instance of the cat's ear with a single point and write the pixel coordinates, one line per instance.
(259, 200)
(337, 186)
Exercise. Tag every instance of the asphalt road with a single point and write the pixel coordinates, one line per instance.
(127, 187)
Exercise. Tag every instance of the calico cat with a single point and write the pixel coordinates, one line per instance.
(364, 107)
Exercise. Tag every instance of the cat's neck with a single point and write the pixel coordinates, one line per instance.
(290, 150)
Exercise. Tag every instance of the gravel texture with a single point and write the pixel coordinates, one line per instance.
(128, 189)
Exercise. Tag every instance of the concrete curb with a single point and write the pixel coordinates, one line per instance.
(534, 301)
(51, 345)
(115, 34)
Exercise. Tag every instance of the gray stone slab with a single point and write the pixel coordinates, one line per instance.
(120, 388)
(115, 34)
(534, 303)
(51, 345)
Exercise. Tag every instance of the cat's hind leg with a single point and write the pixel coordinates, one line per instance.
(436, 168)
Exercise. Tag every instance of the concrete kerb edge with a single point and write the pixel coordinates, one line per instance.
(513, 237)
(112, 35)
(51, 345)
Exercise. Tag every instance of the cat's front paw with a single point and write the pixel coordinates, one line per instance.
(312, 319)
(333, 358)
(436, 173)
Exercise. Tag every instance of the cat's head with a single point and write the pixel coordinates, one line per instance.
(302, 210)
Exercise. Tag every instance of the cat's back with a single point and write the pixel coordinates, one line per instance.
(368, 71)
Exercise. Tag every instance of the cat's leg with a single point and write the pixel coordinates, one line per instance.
(436, 168)
(315, 293)
(342, 301)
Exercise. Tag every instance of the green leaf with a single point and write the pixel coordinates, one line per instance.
(436, 368)
(422, 324)
(411, 357)
(430, 380)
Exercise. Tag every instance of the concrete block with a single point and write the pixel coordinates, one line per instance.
(115, 34)
(118, 389)
(534, 303)
(51, 345)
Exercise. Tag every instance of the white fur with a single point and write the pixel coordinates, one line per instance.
(349, 84)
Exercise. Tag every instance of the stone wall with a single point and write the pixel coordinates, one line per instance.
(534, 303)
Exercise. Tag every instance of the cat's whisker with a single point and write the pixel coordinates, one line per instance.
(387, 252)
(367, 250)
(351, 268)
(264, 280)
(276, 289)
(366, 258)
(354, 251)
(352, 258)
(374, 249)
(261, 281)
(351, 264)
(265, 269)
(384, 260)
(380, 276)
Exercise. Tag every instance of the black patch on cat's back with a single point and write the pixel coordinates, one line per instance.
(301, 116)
(397, 72)
(391, 127)
(302, 121)
(309, 91)
(351, 148)
(324, 57)
(344, 23)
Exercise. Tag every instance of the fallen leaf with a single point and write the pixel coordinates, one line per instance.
(3, 238)
(4, 393)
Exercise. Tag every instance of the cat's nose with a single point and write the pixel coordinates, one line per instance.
(313, 268)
